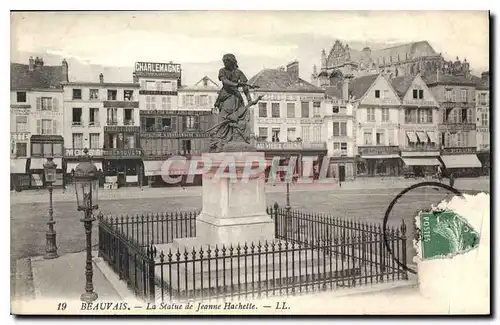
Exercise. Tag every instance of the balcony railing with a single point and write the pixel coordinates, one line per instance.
(421, 148)
(128, 122)
(77, 123)
(112, 122)
(94, 124)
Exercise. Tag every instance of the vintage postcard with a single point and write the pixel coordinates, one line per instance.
(250, 163)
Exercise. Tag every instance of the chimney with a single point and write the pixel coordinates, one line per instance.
(135, 78)
(485, 77)
(292, 69)
(38, 63)
(31, 64)
(345, 87)
(101, 78)
(64, 72)
(323, 59)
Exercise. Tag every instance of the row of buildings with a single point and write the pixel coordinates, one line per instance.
(367, 123)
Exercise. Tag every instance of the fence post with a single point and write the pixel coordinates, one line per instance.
(403, 237)
(100, 235)
(276, 228)
(151, 273)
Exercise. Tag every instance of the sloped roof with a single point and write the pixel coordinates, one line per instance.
(480, 83)
(46, 77)
(333, 92)
(360, 86)
(402, 84)
(279, 80)
(434, 78)
(403, 52)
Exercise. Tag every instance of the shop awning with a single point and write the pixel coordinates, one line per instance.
(97, 164)
(37, 163)
(18, 166)
(70, 166)
(421, 161)
(389, 156)
(412, 136)
(433, 136)
(152, 167)
(461, 161)
(422, 136)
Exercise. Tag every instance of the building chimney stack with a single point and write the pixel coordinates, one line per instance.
(345, 87)
(101, 78)
(293, 70)
(64, 72)
(135, 78)
(31, 64)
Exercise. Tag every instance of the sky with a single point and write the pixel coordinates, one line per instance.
(263, 39)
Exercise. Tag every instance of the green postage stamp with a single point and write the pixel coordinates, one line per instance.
(444, 234)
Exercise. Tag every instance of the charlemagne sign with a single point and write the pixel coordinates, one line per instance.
(154, 69)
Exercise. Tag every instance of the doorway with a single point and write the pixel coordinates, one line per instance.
(341, 173)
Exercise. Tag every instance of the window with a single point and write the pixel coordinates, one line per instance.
(380, 138)
(150, 102)
(290, 110)
(343, 129)
(343, 146)
(166, 102)
(203, 100)
(128, 95)
(462, 139)
(189, 100)
(429, 115)
(317, 133)
(336, 109)
(463, 95)
(94, 140)
(21, 97)
(21, 124)
(205, 82)
(317, 108)
(336, 129)
(306, 133)
(370, 114)
(482, 99)
(77, 94)
(21, 149)
(420, 94)
(377, 93)
(275, 109)
(453, 96)
(127, 116)
(422, 116)
(336, 146)
(367, 137)
(304, 109)
(275, 135)
(484, 119)
(415, 93)
(186, 146)
(112, 116)
(189, 122)
(150, 124)
(77, 140)
(94, 116)
(77, 116)
(262, 109)
(166, 124)
(47, 126)
(150, 85)
(463, 115)
(112, 94)
(385, 114)
(46, 103)
(129, 141)
(57, 149)
(262, 134)
(447, 95)
(290, 134)
(94, 94)
(36, 149)
(47, 149)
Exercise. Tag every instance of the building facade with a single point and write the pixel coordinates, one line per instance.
(377, 107)
(36, 122)
(289, 120)
(483, 121)
(457, 123)
(104, 117)
(418, 126)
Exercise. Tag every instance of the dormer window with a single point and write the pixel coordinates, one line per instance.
(377, 93)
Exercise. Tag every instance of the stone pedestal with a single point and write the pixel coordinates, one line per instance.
(234, 205)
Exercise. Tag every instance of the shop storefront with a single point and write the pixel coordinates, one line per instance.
(342, 168)
(42, 147)
(72, 157)
(122, 167)
(19, 174)
(461, 161)
(379, 161)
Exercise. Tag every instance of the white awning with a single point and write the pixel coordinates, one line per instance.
(18, 166)
(412, 136)
(433, 136)
(37, 163)
(461, 161)
(422, 136)
(152, 167)
(389, 156)
(421, 162)
(97, 164)
(70, 166)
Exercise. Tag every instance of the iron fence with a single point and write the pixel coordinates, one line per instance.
(310, 252)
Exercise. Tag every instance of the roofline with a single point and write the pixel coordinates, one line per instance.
(442, 83)
(366, 91)
(102, 85)
(320, 91)
(196, 90)
(55, 90)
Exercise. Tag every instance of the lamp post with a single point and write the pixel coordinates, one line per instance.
(50, 237)
(86, 181)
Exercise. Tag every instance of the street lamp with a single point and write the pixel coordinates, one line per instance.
(50, 237)
(86, 187)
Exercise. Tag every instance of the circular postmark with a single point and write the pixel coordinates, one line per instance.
(391, 206)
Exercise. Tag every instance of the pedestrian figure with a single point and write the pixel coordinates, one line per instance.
(452, 180)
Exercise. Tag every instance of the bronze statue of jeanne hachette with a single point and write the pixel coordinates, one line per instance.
(234, 126)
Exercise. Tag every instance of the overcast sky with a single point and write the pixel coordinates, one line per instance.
(260, 39)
